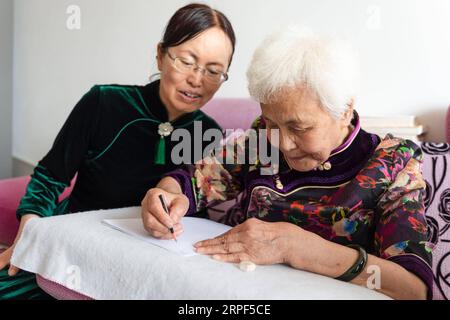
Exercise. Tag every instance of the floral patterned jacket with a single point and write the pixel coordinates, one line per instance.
(370, 193)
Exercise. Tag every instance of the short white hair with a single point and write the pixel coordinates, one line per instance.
(294, 56)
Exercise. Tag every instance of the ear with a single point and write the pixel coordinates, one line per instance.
(348, 115)
(159, 56)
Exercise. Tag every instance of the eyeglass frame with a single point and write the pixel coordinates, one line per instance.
(195, 67)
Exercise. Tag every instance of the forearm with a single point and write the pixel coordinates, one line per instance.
(332, 260)
(41, 196)
(171, 185)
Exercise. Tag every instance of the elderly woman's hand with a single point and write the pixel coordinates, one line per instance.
(254, 240)
(156, 221)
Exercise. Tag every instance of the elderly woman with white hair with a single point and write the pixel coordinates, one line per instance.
(342, 202)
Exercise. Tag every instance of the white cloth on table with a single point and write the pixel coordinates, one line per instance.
(83, 254)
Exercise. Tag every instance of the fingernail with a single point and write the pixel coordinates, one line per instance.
(216, 257)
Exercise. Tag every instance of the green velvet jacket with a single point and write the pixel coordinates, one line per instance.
(109, 141)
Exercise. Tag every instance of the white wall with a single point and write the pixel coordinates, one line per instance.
(6, 58)
(404, 47)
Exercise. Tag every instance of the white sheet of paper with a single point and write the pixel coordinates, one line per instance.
(195, 229)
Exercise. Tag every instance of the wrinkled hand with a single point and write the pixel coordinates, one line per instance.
(254, 240)
(5, 257)
(156, 221)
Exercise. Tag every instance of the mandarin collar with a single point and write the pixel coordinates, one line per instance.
(339, 154)
(351, 137)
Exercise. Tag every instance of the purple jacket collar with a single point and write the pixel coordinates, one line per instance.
(346, 161)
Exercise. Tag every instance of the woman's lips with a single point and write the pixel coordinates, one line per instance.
(189, 97)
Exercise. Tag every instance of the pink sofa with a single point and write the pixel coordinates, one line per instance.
(11, 191)
(436, 161)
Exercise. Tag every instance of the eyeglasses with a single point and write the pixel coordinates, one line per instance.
(186, 66)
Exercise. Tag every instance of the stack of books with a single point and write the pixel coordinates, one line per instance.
(400, 126)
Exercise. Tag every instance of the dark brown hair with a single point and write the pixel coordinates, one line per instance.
(191, 20)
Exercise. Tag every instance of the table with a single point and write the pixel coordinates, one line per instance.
(84, 255)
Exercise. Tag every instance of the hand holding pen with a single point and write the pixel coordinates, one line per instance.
(164, 205)
(163, 211)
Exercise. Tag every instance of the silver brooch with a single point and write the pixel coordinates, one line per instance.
(165, 129)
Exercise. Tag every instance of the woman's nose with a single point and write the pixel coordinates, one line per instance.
(287, 142)
(195, 78)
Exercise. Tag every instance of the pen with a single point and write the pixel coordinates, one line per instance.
(164, 205)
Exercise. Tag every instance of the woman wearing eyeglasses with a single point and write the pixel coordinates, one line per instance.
(117, 138)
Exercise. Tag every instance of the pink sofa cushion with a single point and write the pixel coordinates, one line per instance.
(59, 291)
(11, 191)
(233, 113)
(437, 204)
(447, 125)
